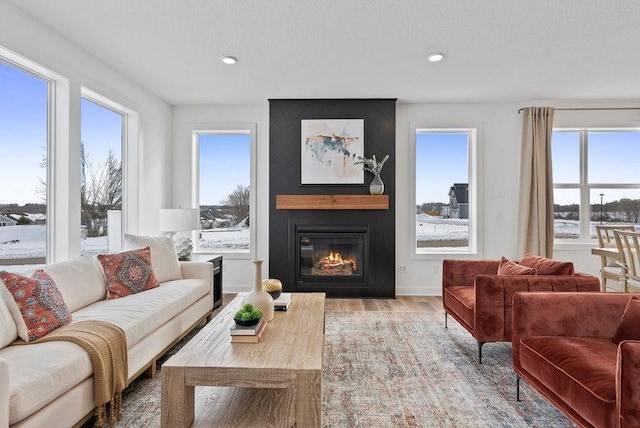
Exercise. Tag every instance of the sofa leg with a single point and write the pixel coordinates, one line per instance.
(480, 352)
(517, 388)
(445, 319)
(151, 370)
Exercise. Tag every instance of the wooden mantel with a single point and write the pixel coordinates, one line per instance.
(332, 202)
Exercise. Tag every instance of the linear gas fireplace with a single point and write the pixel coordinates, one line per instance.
(331, 256)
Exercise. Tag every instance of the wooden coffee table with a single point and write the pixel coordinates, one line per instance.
(287, 358)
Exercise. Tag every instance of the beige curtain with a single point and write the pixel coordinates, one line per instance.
(535, 209)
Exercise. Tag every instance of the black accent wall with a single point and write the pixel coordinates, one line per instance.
(284, 179)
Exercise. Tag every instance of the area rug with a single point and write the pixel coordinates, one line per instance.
(398, 369)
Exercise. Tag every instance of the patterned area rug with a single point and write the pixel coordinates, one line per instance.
(390, 369)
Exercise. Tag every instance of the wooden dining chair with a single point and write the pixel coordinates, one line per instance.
(629, 248)
(609, 268)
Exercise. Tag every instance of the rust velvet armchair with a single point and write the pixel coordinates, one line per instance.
(479, 297)
(581, 351)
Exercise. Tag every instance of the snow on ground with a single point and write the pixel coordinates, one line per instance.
(24, 242)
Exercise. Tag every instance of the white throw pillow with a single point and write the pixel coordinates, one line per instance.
(80, 281)
(8, 329)
(163, 255)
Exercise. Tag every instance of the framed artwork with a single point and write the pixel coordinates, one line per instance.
(329, 149)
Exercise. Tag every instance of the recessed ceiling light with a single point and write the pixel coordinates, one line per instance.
(229, 60)
(435, 57)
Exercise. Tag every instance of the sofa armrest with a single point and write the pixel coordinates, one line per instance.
(627, 386)
(494, 296)
(4, 394)
(198, 270)
(463, 272)
(565, 314)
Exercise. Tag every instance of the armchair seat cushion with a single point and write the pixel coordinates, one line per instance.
(582, 370)
(462, 300)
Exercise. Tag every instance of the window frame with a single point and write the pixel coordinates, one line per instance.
(222, 129)
(128, 158)
(436, 253)
(583, 186)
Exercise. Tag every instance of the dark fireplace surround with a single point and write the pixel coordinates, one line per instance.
(343, 252)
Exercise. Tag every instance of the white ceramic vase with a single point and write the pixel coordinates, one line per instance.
(377, 186)
(258, 297)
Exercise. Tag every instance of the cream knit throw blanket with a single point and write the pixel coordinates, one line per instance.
(107, 348)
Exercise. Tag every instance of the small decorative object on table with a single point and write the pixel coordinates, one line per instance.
(248, 315)
(273, 287)
(374, 167)
(258, 297)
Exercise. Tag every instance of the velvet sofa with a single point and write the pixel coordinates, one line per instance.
(563, 347)
(479, 298)
(52, 384)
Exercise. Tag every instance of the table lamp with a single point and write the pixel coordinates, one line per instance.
(177, 221)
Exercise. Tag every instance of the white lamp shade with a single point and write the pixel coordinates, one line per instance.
(177, 220)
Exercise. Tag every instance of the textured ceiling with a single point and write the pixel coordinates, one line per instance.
(496, 50)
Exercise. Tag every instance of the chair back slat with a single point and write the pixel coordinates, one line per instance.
(628, 244)
(605, 234)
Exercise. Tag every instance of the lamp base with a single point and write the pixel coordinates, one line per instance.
(183, 245)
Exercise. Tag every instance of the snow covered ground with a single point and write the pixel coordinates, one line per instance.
(26, 242)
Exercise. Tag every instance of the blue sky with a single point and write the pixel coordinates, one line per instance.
(441, 160)
(23, 134)
(224, 164)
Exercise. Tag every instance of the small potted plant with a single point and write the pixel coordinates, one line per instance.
(248, 315)
(374, 167)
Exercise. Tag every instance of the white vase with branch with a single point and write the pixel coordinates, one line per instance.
(374, 167)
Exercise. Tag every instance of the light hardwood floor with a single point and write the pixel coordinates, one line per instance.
(399, 304)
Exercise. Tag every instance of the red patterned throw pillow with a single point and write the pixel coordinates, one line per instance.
(39, 302)
(128, 272)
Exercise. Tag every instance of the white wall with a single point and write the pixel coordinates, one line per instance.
(29, 38)
(499, 135)
(238, 270)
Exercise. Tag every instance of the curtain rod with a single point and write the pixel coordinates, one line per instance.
(520, 110)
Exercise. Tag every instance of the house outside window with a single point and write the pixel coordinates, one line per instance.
(444, 196)
(596, 180)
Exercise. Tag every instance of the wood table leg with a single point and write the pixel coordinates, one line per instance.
(308, 398)
(178, 399)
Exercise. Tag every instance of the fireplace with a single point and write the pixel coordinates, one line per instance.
(331, 256)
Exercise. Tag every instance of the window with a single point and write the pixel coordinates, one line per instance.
(101, 179)
(596, 180)
(444, 190)
(225, 189)
(24, 111)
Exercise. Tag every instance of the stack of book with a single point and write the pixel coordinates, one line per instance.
(247, 334)
(282, 303)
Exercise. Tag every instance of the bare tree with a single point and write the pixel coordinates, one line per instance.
(100, 190)
(629, 209)
(239, 201)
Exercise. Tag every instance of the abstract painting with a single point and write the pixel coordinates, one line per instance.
(329, 149)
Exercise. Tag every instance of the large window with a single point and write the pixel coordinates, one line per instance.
(596, 180)
(444, 190)
(225, 194)
(101, 179)
(23, 166)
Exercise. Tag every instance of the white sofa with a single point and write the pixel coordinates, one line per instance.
(51, 384)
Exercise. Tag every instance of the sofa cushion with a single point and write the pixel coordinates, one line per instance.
(42, 372)
(629, 327)
(461, 300)
(8, 329)
(581, 370)
(80, 281)
(546, 266)
(142, 313)
(37, 307)
(128, 272)
(507, 268)
(163, 255)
